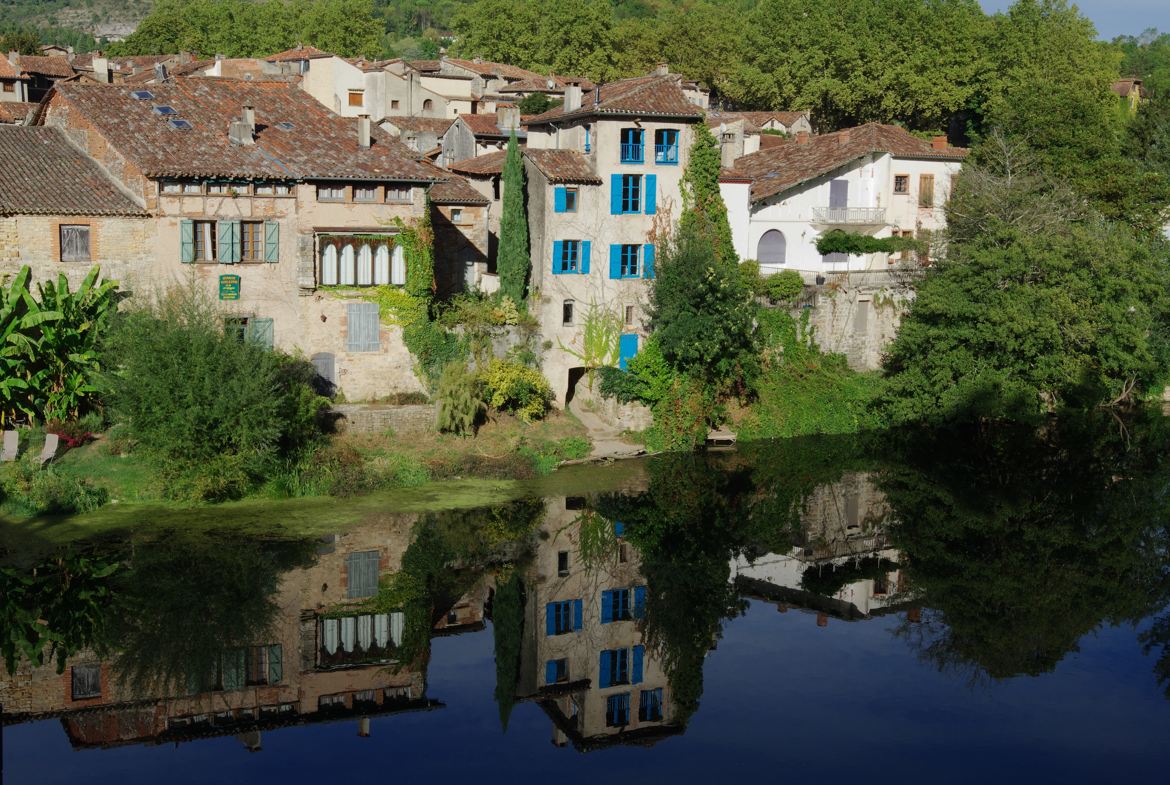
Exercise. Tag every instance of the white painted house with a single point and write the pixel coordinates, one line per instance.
(875, 179)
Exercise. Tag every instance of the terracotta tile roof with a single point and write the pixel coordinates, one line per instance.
(455, 190)
(8, 70)
(45, 66)
(777, 169)
(484, 124)
(563, 166)
(424, 66)
(437, 125)
(15, 111)
(298, 53)
(487, 164)
(647, 96)
(501, 70)
(754, 121)
(319, 145)
(42, 174)
(1123, 87)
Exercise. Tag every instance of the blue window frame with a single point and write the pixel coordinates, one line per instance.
(631, 193)
(616, 606)
(650, 705)
(617, 710)
(563, 617)
(557, 671)
(614, 667)
(570, 256)
(565, 199)
(666, 146)
(629, 262)
(632, 147)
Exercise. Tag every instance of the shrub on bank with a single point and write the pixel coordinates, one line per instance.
(512, 387)
(27, 488)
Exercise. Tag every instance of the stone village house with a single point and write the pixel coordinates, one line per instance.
(278, 208)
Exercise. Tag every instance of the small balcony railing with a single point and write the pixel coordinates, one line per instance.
(666, 153)
(633, 153)
(849, 215)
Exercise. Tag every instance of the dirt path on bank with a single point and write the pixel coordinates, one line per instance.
(607, 439)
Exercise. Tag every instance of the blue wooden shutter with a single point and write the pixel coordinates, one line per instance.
(648, 260)
(362, 329)
(603, 679)
(186, 241)
(619, 528)
(558, 249)
(228, 241)
(615, 194)
(627, 348)
(259, 332)
(583, 264)
(550, 672)
(271, 242)
(639, 602)
(639, 652)
(606, 607)
(578, 613)
(275, 664)
(615, 261)
(559, 200)
(651, 195)
(550, 618)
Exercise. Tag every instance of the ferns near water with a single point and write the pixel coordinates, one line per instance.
(459, 403)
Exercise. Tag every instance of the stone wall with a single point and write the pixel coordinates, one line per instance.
(378, 418)
(858, 319)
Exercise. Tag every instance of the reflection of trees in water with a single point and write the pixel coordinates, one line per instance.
(1022, 545)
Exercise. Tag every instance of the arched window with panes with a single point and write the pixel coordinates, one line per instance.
(360, 260)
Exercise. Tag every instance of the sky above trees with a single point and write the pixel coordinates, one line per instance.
(1112, 17)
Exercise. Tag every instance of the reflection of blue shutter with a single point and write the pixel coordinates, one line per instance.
(648, 260)
(615, 261)
(586, 247)
(651, 194)
(550, 618)
(615, 194)
(639, 651)
(550, 672)
(606, 607)
(578, 614)
(559, 200)
(619, 528)
(639, 602)
(603, 677)
(558, 247)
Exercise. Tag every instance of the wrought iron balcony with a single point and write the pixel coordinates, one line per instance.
(850, 216)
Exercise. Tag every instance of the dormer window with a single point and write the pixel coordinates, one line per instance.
(632, 147)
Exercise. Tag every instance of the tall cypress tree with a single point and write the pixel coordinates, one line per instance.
(514, 260)
(703, 207)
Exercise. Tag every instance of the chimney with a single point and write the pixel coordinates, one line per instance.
(662, 69)
(160, 72)
(938, 142)
(101, 69)
(250, 118)
(572, 97)
(363, 126)
(185, 57)
(239, 132)
(508, 117)
(802, 137)
(14, 57)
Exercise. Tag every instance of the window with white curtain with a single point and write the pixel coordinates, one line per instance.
(381, 265)
(365, 265)
(398, 266)
(348, 274)
(329, 264)
(361, 260)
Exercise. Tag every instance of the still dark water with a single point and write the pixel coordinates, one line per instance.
(968, 607)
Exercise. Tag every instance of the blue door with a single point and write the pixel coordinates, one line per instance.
(627, 348)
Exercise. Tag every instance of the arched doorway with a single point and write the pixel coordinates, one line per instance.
(772, 248)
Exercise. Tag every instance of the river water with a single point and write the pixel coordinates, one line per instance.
(955, 607)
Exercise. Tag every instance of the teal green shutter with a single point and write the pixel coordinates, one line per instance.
(583, 264)
(228, 241)
(271, 242)
(275, 664)
(558, 250)
(186, 241)
(615, 261)
(651, 195)
(233, 669)
(648, 260)
(615, 194)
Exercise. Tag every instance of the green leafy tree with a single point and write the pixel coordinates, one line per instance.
(703, 207)
(514, 262)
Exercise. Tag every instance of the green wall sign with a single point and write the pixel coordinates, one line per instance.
(229, 287)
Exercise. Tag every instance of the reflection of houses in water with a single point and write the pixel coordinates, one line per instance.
(844, 568)
(583, 660)
(324, 658)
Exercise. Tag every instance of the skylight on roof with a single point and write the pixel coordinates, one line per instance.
(165, 110)
(142, 95)
(180, 125)
(285, 125)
